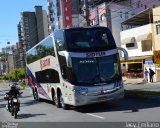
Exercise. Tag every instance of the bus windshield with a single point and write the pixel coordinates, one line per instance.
(94, 71)
(89, 39)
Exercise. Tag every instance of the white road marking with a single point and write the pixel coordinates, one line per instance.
(96, 116)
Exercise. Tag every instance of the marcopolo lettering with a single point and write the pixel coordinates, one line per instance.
(95, 54)
(44, 63)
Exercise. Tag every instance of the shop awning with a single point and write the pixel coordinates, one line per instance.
(147, 36)
(137, 59)
(142, 18)
(128, 40)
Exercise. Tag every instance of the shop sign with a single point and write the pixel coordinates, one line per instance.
(149, 62)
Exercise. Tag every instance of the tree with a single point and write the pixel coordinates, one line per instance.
(16, 74)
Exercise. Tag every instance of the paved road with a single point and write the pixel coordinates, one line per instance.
(127, 109)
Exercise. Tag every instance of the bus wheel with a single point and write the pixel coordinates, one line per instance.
(33, 94)
(36, 97)
(57, 101)
(63, 105)
(53, 97)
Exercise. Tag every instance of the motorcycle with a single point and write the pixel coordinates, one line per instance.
(13, 104)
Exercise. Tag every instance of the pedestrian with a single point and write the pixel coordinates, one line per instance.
(151, 74)
(146, 75)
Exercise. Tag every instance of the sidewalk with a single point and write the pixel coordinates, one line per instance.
(128, 81)
(137, 84)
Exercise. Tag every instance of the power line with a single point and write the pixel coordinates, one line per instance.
(129, 10)
(130, 5)
(102, 8)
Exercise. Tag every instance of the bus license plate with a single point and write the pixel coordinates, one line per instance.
(102, 98)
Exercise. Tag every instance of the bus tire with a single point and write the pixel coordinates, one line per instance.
(36, 96)
(63, 105)
(53, 97)
(33, 92)
(57, 101)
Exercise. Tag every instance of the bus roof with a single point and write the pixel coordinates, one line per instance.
(85, 27)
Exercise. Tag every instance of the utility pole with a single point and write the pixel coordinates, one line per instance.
(86, 12)
(108, 16)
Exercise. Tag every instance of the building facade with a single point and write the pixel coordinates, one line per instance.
(19, 51)
(108, 16)
(111, 14)
(29, 29)
(42, 23)
(63, 14)
(32, 28)
(142, 42)
(6, 59)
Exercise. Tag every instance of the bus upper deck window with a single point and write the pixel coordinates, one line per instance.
(101, 38)
(90, 39)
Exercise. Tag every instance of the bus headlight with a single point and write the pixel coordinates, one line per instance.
(83, 92)
(80, 92)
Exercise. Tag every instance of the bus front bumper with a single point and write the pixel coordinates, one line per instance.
(91, 99)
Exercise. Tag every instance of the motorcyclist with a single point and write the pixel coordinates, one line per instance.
(15, 84)
(13, 92)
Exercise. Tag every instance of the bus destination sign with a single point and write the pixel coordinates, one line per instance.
(95, 54)
(45, 62)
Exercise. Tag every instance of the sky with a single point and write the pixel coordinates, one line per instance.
(10, 15)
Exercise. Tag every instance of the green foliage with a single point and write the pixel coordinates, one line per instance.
(1, 77)
(23, 85)
(16, 74)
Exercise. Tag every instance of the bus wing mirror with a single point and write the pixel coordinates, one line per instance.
(68, 58)
(125, 53)
(69, 62)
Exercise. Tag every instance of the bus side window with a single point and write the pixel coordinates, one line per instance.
(63, 68)
(59, 40)
(102, 38)
(47, 76)
(105, 39)
(66, 73)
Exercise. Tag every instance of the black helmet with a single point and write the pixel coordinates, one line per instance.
(13, 86)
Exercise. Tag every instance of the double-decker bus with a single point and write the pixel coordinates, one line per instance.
(76, 66)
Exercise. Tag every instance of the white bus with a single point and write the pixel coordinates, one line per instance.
(76, 66)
